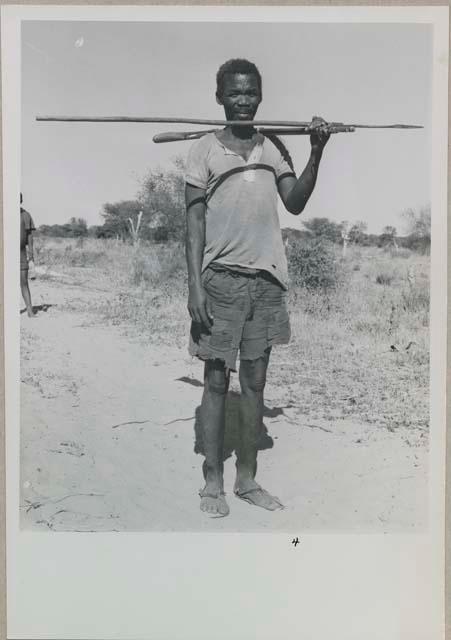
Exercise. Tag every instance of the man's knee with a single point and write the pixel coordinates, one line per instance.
(253, 375)
(216, 378)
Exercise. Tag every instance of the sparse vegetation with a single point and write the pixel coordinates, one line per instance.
(359, 302)
(360, 325)
(314, 265)
(384, 278)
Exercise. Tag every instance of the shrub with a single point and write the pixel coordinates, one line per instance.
(384, 278)
(415, 298)
(400, 252)
(314, 266)
(156, 264)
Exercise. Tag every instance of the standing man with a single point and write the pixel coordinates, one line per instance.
(26, 256)
(237, 271)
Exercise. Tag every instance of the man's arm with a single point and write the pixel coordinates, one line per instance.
(195, 245)
(30, 246)
(296, 193)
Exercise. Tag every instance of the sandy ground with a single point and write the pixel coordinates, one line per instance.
(108, 442)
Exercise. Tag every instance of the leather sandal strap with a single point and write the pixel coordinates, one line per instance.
(209, 494)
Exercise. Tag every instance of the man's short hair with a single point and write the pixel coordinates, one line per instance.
(233, 66)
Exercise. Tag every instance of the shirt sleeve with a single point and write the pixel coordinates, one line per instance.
(196, 172)
(282, 160)
(29, 224)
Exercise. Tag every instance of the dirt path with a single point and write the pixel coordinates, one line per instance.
(108, 443)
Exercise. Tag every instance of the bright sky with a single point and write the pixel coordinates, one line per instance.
(368, 73)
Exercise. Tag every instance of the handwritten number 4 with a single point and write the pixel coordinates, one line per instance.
(295, 541)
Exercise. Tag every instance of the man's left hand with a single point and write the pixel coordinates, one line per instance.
(320, 133)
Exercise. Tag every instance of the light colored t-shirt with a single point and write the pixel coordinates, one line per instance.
(26, 227)
(242, 223)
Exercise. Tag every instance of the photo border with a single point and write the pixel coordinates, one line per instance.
(2, 469)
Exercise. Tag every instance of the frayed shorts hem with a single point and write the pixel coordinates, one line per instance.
(230, 359)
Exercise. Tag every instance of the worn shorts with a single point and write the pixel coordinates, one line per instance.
(249, 316)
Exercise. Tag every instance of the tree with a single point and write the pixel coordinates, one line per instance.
(324, 229)
(357, 232)
(75, 228)
(345, 227)
(78, 227)
(116, 216)
(162, 197)
(135, 226)
(389, 231)
(388, 237)
(419, 228)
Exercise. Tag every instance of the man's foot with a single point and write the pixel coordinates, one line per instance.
(31, 312)
(254, 494)
(214, 503)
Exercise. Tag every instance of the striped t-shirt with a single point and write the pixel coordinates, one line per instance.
(242, 223)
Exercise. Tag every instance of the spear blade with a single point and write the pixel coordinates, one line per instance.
(386, 126)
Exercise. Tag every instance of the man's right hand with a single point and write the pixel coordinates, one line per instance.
(199, 307)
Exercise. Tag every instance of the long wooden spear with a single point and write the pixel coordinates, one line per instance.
(218, 123)
(276, 127)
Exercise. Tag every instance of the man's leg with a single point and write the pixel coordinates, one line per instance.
(212, 420)
(252, 380)
(26, 292)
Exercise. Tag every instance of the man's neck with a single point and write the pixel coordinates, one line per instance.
(242, 133)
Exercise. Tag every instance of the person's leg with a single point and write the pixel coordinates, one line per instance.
(26, 292)
(212, 420)
(252, 380)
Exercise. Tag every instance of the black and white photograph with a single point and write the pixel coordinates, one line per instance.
(159, 378)
(227, 233)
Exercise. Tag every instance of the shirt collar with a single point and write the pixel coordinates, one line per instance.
(229, 152)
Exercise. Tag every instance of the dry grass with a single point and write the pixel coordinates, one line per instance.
(360, 350)
(364, 350)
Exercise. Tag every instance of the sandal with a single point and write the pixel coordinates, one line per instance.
(222, 506)
(246, 495)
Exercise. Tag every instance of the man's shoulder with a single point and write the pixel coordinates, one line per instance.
(275, 152)
(26, 216)
(198, 161)
(204, 144)
(272, 146)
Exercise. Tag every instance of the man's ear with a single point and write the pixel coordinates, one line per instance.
(218, 98)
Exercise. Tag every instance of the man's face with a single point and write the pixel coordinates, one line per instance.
(240, 97)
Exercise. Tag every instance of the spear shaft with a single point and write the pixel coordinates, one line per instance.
(217, 123)
(177, 136)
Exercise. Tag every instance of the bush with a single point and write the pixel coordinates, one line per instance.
(415, 298)
(400, 252)
(384, 278)
(157, 264)
(314, 266)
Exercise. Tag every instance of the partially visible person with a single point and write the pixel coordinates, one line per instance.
(26, 256)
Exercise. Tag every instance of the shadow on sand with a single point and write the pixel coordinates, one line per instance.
(232, 425)
(39, 307)
(232, 422)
